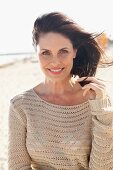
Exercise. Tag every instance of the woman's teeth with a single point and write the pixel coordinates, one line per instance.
(56, 70)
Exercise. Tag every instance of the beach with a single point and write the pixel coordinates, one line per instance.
(14, 79)
(18, 77)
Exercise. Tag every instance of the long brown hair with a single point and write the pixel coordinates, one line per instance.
(88, 51)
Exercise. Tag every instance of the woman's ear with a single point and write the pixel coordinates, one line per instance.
(75, 51)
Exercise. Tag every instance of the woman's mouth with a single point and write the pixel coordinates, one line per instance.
(56, 71)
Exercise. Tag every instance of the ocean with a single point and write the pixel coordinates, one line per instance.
(13, 57)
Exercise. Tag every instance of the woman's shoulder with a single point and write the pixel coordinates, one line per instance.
(21, 97)
(17, 106)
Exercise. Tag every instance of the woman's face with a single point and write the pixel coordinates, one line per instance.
(56, 55)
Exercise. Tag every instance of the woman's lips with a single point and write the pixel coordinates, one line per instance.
(56, 71)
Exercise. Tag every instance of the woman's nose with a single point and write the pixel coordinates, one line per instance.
(55, 60)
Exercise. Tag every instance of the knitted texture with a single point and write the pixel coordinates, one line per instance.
(45, 136)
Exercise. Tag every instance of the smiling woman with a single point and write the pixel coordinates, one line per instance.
(65, 122)
(56, 55)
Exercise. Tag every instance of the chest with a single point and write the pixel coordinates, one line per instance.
(69, 99)
(62, 133)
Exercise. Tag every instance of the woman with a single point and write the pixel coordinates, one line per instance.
(64, 122)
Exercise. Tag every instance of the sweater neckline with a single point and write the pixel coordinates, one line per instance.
(57, 105)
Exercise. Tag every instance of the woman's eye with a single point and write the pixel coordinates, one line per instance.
(63, 52)
(45, 53)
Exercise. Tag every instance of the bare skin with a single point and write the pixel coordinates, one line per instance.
(72, 95)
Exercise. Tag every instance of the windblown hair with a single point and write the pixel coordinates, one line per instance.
(88, 51)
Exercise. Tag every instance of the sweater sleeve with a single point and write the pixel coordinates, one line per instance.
(101, 157)
(18, 157)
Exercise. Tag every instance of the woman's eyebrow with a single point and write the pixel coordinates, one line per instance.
(44, 49)
(64, 48)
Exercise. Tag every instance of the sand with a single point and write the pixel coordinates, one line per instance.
(17, 78)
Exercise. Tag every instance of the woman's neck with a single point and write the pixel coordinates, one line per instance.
(63, 93)
(60, 88)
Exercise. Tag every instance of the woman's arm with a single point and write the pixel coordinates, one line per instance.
(18, 157)
(101, 157)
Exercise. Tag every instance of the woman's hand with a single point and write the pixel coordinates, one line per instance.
(96, 88)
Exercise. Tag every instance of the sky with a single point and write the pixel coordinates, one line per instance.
(17, 18)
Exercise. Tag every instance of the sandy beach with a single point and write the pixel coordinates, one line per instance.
(19, 77)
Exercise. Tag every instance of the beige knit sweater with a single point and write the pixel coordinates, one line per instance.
(44, 136)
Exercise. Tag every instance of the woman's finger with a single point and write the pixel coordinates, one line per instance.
(94, 87)
(86, 90)
(98, 89)
(92, 79)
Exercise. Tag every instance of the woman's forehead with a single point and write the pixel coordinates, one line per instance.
(52, 40)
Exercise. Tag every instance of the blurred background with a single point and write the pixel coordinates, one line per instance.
(19, 68)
